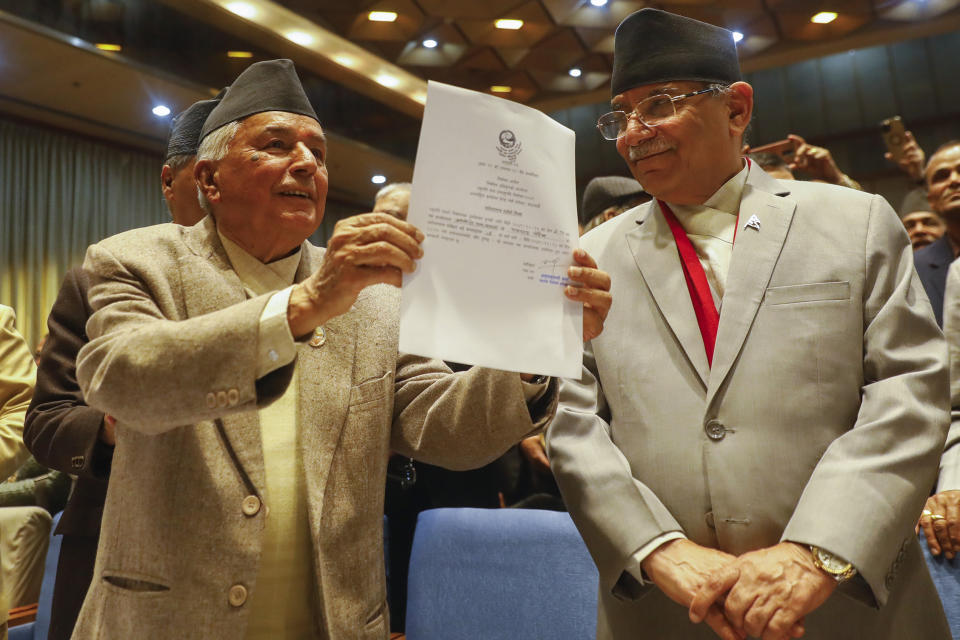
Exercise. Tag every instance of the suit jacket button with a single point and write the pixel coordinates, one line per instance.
(237, 595)
(708, 518)
(250, 506)
(233, 397)
(211, 400)
(77, 462)
(716, 431)
(221, 399)
(319, 338)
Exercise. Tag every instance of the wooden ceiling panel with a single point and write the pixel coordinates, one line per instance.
(468, 9)
(555, 53)
(580, 13)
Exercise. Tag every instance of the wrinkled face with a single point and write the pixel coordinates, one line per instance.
(923, 227)
(943, 183)
(180, 191)
(396, 203)
(270, 189)
(686, 157)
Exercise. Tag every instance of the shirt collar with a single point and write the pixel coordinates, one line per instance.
(257, 277)
(725, 199)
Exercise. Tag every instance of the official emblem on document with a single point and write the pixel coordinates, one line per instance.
(509, 146)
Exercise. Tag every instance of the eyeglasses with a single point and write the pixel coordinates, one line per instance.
(650, 112)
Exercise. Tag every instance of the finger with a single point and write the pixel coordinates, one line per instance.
(599, 301)
(953, 526)
(782, 625)
(940, 531)
(590, 277)
(367, 219)
(931, 537)
(717, 584)
(592, 324)
(757, 618)
(721, 626)
(797, 140)
(387, 233)
(584, 259)
(381, 254)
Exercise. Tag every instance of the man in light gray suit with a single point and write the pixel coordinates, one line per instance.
(755, 431)
(257, 392)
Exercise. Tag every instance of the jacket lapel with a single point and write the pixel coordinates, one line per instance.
(325, 377)
(655, 253)
(755, 254)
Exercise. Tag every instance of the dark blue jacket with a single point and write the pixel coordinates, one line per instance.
(932, 264)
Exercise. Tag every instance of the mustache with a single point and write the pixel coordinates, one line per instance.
(648, 148)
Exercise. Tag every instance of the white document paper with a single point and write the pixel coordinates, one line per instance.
(494, 192)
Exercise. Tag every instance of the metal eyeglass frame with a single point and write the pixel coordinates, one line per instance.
(622, 118)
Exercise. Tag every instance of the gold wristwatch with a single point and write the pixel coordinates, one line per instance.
(835, 566)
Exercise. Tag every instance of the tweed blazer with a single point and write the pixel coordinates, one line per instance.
(821, 420)
(173, 349)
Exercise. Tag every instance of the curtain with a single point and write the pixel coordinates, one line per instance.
(60, 193)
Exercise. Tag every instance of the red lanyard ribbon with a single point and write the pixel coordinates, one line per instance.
(700, 295)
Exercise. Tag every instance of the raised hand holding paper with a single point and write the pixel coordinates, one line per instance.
(494, 192)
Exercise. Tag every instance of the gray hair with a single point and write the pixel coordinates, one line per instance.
(390, 188)
(214, 148)
(179, 161)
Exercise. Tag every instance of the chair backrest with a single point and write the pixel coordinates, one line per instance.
(45, 604)
(500, 573)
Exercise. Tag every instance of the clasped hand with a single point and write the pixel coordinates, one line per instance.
(763, 594)
(377, 248)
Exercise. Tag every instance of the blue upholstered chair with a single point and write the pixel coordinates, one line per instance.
(500, 573)
(37, 630)
(946, 576)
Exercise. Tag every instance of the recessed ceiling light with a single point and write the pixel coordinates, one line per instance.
(242, 9)
(430, 43)
(345, 60)
(737, 36)
(378, 179)
(382, 16)
(239, 54)
(508, 23)
(301, 38)
(501, 88)
(161, 111)
(104, 46)
(598, 3)
(387, 80)
(575, 72)
(824, 17)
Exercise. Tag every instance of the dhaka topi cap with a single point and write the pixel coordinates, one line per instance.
(185, 128)
(656, 46)
(271, 85)
(607, 191)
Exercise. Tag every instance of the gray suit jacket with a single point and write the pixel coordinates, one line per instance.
(171, 330)
(820, 422)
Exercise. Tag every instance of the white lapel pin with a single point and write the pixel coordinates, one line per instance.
(753, 223)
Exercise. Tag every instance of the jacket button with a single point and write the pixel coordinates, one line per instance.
(221, 399)
(77, 462)
(211, 400)
(716, 431)
(250, 506)
(237, 595)
(233, 397)
(708, 518)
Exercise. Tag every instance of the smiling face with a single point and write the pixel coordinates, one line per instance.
(267, 194)
(943, 183)
(686, 158)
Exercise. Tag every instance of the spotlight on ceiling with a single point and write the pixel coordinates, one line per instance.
(382, 16)
(598, 3)
(161, 111)
(500, 88)
(387, 80)
(575, 72)
(239, 54)
(301, 38)
(105, 46)
(824, 17)
(737, 36)
(508, 23)
(378, 179)
(430, 43)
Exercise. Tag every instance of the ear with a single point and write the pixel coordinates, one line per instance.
(205, 175)
(740, 102)
(166, 180)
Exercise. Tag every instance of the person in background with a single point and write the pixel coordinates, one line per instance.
(943, 196)
(61, 431)
(774, 164)
(923, 227)
(606, 197)
(393, 199)
(17, 376)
